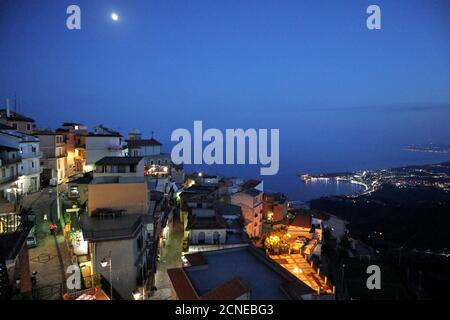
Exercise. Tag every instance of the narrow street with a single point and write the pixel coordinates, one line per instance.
(170, 258)
(50, 258)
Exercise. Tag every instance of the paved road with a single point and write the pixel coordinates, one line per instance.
(50, 258)
(170, 258)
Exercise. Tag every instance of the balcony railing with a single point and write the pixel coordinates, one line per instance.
(28, 155)
(30, 171)
(9, 179)
(8, 161)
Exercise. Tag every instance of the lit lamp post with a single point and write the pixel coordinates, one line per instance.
(106, 262)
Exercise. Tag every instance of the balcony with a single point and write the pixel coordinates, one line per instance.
(9, 179)
(30, 171)
(8, 161)
(29, 155)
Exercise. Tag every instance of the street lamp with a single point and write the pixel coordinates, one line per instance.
(105, 262)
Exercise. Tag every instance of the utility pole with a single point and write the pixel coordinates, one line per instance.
(58, 206)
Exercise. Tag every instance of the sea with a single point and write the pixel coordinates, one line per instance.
(343, 140)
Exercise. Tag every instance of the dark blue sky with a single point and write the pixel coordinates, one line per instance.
(231, 63)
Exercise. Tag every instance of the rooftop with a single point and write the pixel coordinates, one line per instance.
(109, 228)
(250, 184)
(134, 144)
(253, 192)
(229, 273)
(227, 209)
(117, 179)
(210, 223)
(14, 116)
(119, 161)
(302, 221)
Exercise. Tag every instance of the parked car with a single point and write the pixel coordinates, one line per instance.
(31, 239)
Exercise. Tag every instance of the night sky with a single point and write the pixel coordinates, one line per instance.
(310, 68)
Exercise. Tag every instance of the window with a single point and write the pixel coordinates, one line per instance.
(32, 164)
(201, 237)
(132, 168)
(3, 172)
(140, 241)
(14, 125)
(28, 126)
(33, 148)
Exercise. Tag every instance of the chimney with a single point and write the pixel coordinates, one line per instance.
(8, 113)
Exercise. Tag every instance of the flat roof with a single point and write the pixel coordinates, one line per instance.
(109, 228)
(117, 179)
(120, 161)
(262, 279)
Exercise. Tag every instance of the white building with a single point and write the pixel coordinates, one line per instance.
(9, 160)
(251, 203)
(100, 143)
(29, 168)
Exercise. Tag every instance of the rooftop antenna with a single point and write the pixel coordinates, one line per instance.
(152, 133)
(15, 101)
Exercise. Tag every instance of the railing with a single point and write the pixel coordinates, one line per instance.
(9, 179)
(28, 155)
(7, 161)
(27, 172)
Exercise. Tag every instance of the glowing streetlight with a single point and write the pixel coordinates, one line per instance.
(114, 16)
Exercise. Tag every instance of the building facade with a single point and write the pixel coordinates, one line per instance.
(54, 156)
(251, 203)
(102, 142)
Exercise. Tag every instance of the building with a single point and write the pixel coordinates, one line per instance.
(120, 166)
(235, 274)
(205, 227)
(218, 227)
(9, 166)
(301, 226)
(275, 206)
(100, 143)
(16, 120)
(251, 203)
(119, 227)
(75, 140)
(54, 156)
(253, 184)
(15, 273)
(157, 163)
(30, 167)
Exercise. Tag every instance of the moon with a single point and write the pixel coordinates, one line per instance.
(114, 16)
